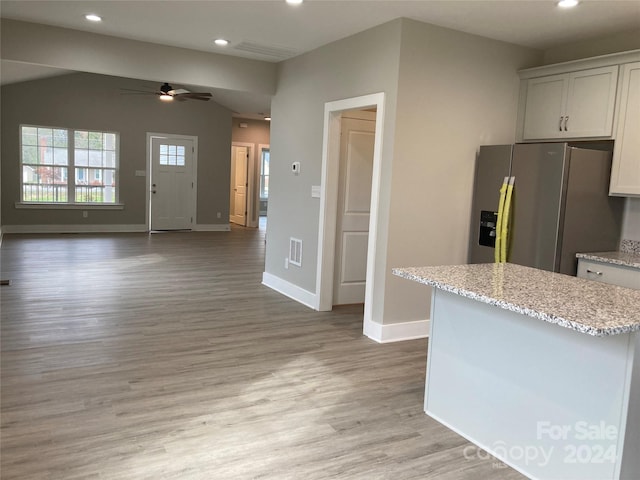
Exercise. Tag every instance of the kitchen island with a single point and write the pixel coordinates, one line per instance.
(540, 369)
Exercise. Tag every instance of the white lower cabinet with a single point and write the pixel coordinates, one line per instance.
(609, 273)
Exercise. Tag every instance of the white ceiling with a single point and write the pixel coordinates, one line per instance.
(282, 31)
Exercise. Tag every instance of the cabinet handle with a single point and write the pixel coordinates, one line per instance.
(593, 271)
(560, 124)
(566, 121)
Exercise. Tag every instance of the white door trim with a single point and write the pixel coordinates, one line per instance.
(194, 199)
(251, 180)
(329, 198)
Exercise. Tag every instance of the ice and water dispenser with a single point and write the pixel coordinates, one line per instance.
(488, 221)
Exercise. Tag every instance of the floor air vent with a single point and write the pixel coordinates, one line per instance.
(295, 251)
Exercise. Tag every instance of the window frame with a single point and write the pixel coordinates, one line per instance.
(263, 148)
(71, 183)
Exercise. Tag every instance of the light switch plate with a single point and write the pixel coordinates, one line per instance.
(141, 173)
(315, 191)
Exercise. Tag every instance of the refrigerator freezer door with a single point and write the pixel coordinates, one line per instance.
(492, 165)
(540, 172)
(592, 220)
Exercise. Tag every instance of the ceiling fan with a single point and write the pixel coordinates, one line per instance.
(167, 93)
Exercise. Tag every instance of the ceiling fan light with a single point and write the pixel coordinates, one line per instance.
(165, 97)
(567, 3)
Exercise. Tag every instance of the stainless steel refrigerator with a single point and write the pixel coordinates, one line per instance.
(560, 204)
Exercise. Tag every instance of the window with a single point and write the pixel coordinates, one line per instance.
(264, 174)
(172, 155)
(48, 154)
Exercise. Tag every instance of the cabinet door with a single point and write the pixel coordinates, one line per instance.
(625, 172)
(544, 109)
(590, 102)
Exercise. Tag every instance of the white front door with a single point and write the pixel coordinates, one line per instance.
(172, 183)
(238, 199)
(354, 201)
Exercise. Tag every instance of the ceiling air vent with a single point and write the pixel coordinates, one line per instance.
(295, 251)
(274, 52)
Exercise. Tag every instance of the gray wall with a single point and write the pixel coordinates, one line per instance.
(619, 42)
(256, 131)
(456, 92)
(446, 93)
(361, 64)
(92, 101)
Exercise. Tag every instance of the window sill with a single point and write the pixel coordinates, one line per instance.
(71, 206)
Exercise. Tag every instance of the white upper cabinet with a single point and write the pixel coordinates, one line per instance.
(571, 105)
(544, 110)
(625, 171)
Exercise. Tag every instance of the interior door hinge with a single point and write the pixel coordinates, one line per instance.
(191, 184)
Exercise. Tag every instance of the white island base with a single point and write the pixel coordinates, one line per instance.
(549, 401)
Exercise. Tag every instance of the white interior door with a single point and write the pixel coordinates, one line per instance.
(239, 184)
(172, 183)
(354, 201)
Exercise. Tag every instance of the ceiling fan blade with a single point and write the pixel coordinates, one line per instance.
(194, 95)
(131, 91)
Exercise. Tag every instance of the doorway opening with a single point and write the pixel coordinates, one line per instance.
(244, 194)
(328, 226)
(239, 190)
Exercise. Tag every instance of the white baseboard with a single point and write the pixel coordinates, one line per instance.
(74, 228)
(290, 290)
(396, 332)
(217, 227)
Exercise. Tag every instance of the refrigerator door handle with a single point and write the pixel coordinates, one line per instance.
(506, 214)
(500, 219)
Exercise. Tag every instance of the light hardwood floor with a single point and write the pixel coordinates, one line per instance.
(162, 356)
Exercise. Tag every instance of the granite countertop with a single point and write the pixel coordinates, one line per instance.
(626, 259)
(589, 307)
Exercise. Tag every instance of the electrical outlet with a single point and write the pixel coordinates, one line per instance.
(85, 214)
(286, 263)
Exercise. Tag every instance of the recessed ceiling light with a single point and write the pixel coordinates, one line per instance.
(92, 17)
(568, 3)
(221, 42)
(294, 2)
(268, 118)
